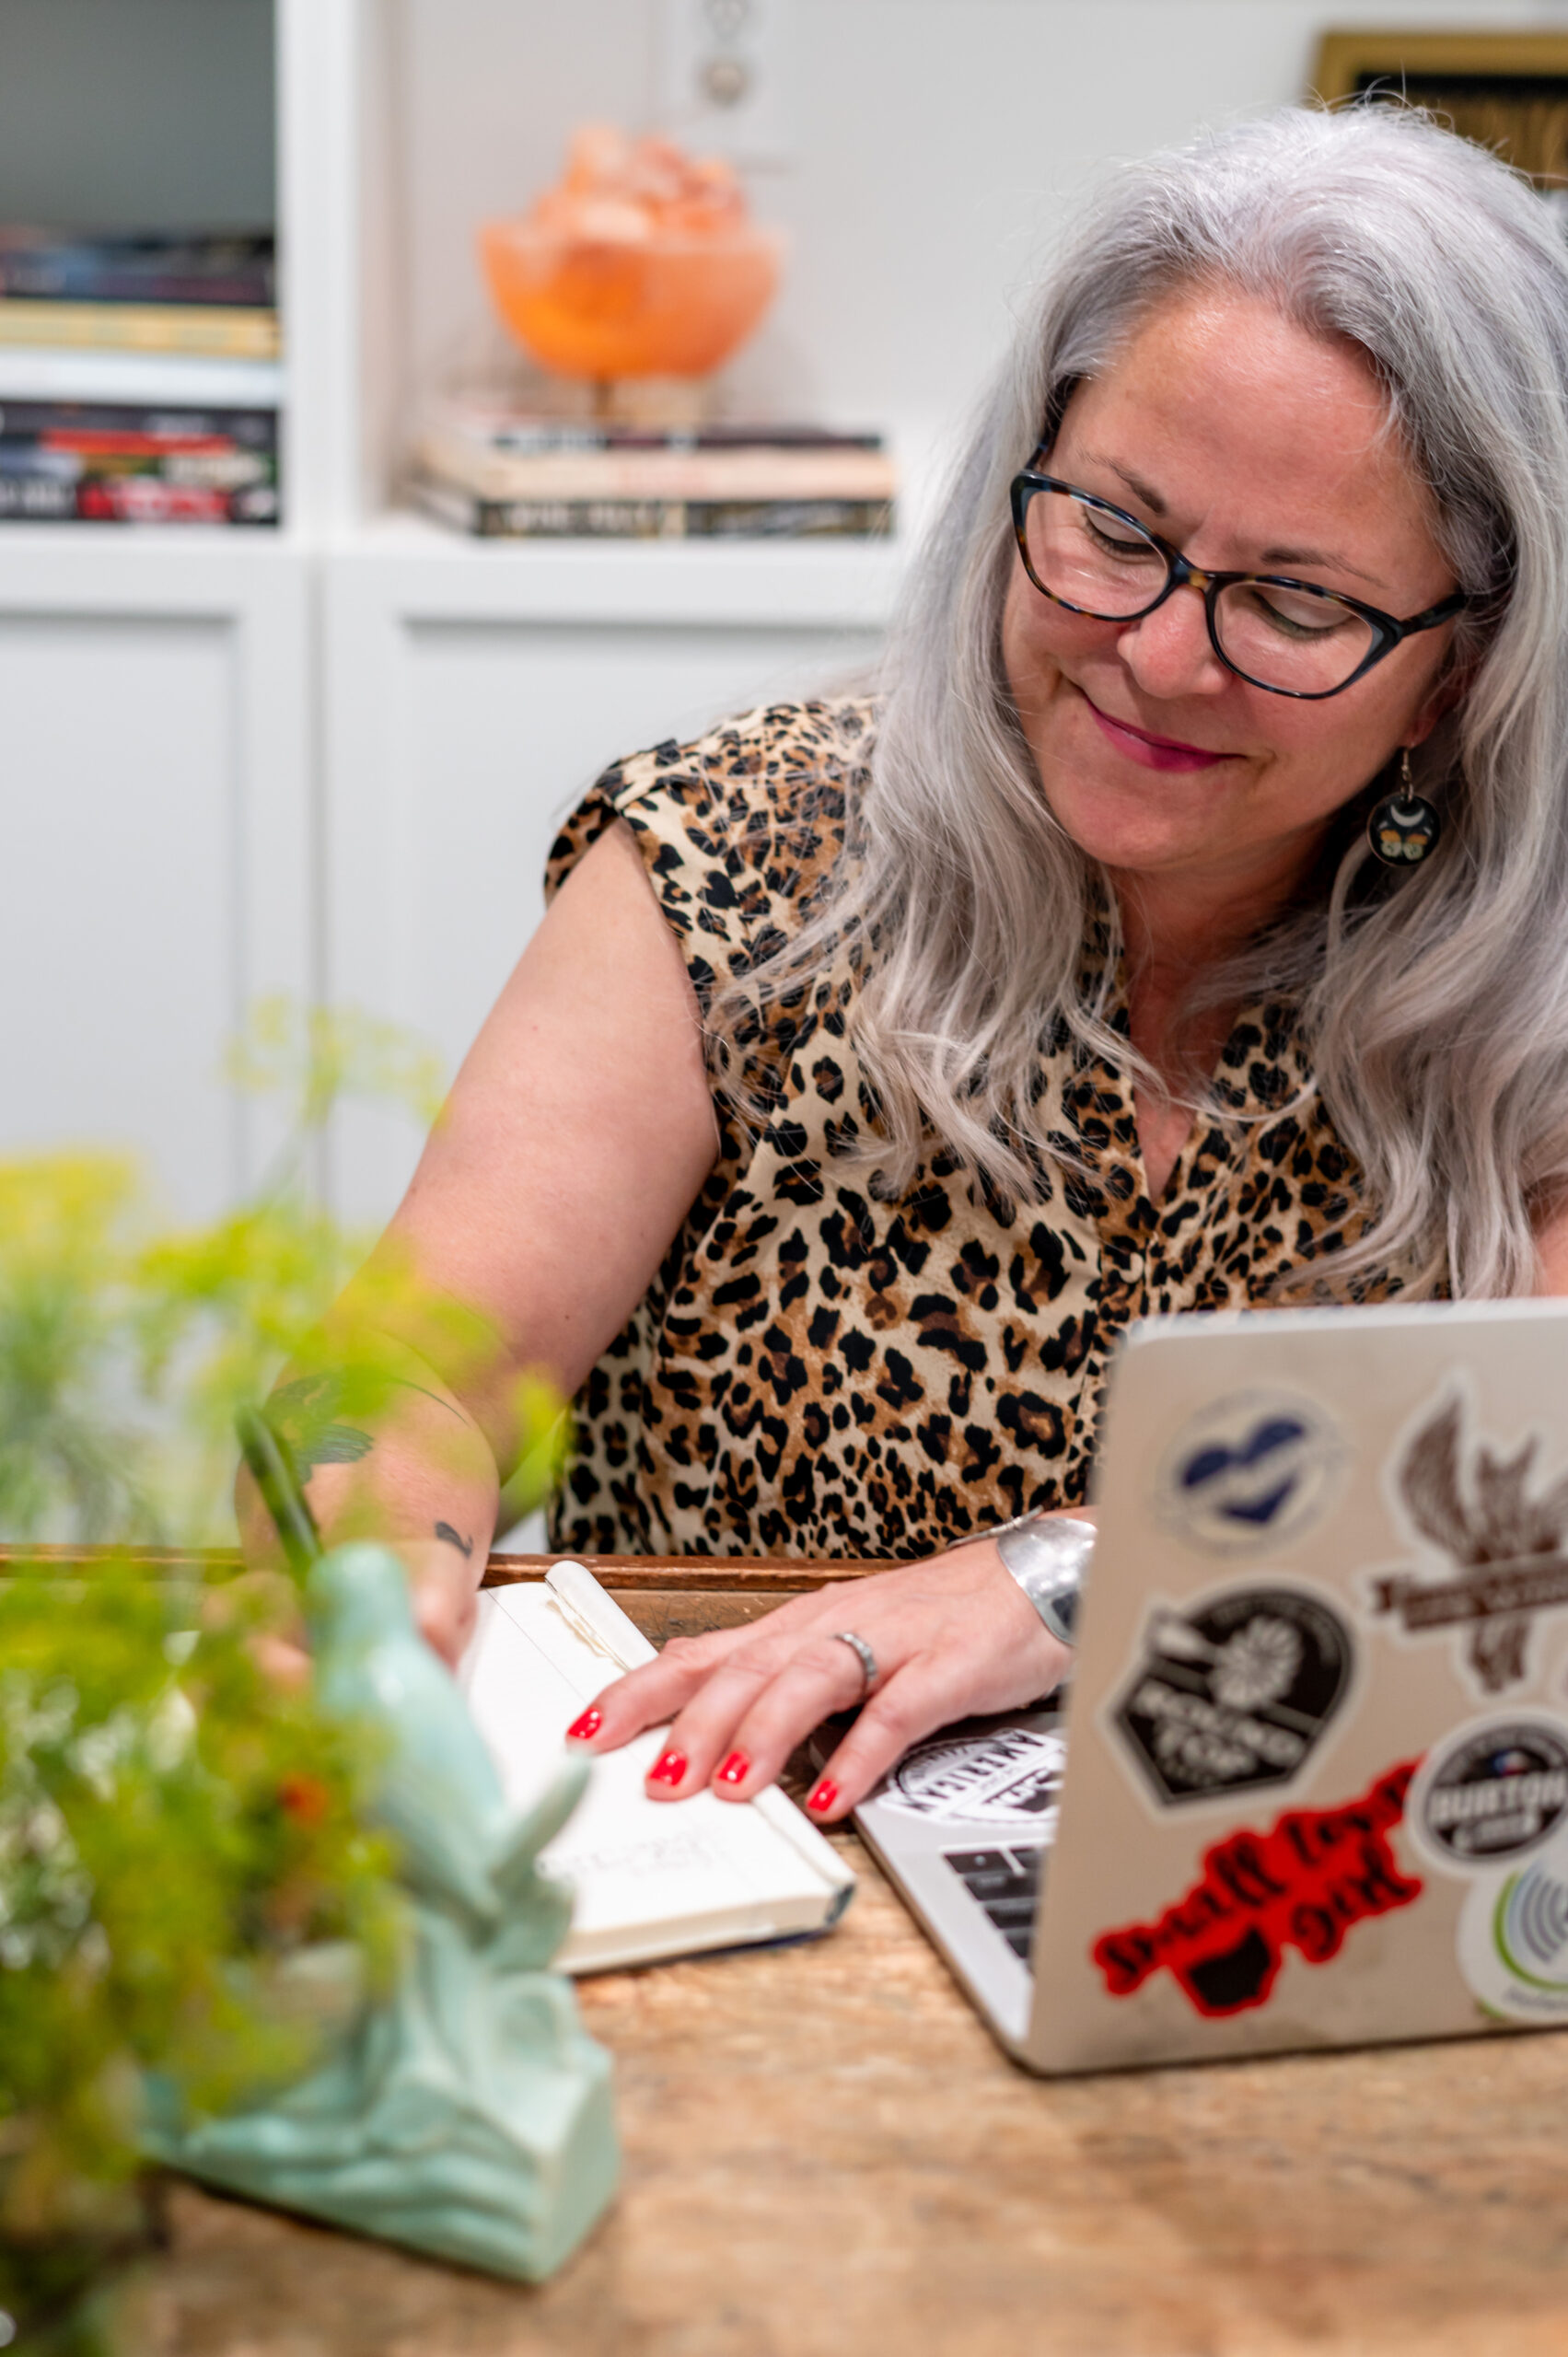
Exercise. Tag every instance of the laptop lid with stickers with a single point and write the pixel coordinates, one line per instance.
(1319, 1728)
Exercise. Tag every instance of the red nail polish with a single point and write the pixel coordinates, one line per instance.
(668, 1768)
(823, 1797)
(735, 1769)
(589, 1725)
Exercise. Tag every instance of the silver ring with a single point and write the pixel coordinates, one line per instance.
(863, 1654)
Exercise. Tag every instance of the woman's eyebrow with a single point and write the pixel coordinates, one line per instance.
(1136, 485)
(1327, 559)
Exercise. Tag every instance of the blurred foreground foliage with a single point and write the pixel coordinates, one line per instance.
(189, 1897)
(187, 1889)
(126, 1345)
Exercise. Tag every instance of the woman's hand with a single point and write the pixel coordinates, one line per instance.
(444, 1590)
(952, 1636)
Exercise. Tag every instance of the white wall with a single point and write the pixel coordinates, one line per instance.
(939, 144)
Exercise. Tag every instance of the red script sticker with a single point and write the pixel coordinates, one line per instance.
(1301, 1884)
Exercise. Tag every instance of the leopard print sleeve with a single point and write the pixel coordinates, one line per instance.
(737, 830)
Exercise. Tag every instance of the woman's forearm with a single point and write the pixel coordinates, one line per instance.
(415, 1470)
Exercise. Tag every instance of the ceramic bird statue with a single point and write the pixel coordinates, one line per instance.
(465, 2112)
(437, 1791)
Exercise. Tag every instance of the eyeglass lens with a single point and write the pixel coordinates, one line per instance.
(1105, 566)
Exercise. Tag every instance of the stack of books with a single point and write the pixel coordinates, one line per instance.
(140, 377)
(506, 474)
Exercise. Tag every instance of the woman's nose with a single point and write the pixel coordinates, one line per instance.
(1168, 652)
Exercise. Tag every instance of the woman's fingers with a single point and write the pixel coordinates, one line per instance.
(910, 1706)
(444, 1591)
(651, 1696)
(746, 1719)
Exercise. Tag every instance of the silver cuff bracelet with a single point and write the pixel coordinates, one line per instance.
(1048, 1554)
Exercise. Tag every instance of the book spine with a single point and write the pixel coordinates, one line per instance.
(67, 423)
(793, 519)
(248, 291)
(709, 476)
(567, 440)
(138, 379)
(175, 476)
(218, 270)
(659, 519)
(150, 499)
(36, 499)
(130, 500)
(210, 329)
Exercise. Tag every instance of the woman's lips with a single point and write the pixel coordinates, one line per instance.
(1153, 753)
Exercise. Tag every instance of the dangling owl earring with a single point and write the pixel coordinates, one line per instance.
(1404, 828)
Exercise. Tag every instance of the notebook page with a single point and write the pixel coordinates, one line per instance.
(651, 1878)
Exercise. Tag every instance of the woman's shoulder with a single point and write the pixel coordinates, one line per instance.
(734, 826)
(777, 750)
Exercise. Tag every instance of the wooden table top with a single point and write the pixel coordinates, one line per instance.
(825, 2154)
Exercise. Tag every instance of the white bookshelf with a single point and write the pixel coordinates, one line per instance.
(328, 759)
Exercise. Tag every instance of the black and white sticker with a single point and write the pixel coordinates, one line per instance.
(1249, 1472)
(1010, 1776)
(1233, 1693)
(1492, 1794)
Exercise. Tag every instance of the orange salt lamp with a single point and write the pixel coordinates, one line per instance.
(642, 262)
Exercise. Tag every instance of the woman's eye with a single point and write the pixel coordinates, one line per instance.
(1104, 535)
(1294, 616)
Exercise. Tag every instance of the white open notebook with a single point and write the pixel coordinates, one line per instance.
(653, 1879)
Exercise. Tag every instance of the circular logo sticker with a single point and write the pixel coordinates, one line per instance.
(1494, 1793)
(1512, 1941)
(1249, 1472)
(1011, 1777)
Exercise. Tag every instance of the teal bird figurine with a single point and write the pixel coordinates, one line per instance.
(465, 2112)
(437, 1789)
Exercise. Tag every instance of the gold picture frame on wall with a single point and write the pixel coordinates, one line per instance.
(1508, 92)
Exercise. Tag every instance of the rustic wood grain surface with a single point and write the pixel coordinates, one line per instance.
(825, 2154)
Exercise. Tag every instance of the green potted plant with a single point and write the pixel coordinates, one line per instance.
(189, 1901)
(127, 1341)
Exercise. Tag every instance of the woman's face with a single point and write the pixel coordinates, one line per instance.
(1252, 446)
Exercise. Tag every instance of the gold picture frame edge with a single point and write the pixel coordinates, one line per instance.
(1343, 56)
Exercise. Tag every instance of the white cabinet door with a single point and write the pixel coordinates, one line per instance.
(156, 869)
(471, 705)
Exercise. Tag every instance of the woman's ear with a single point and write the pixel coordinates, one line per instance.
(1446, 693)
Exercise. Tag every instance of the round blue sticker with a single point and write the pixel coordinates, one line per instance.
(1249, 1472)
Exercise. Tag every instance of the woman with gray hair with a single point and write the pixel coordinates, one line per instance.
(1179, 927)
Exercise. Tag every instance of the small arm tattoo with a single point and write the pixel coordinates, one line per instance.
(464, 1546)
(304, 1413)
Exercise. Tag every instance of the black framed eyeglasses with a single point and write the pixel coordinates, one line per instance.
(1289, 637)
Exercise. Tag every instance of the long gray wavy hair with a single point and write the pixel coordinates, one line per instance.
(1436, 1005)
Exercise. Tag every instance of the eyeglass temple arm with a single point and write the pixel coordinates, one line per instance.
(1439, 613)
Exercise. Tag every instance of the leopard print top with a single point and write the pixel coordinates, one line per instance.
(818, 1372)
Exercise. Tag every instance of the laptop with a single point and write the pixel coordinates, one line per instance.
(1309, 1785)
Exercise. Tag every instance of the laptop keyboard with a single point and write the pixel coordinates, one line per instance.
(1006, 1883)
